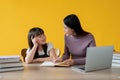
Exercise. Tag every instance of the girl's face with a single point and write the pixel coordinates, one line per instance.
(68, 31)
(41, 39)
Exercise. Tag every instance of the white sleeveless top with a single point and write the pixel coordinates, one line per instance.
(49, 47)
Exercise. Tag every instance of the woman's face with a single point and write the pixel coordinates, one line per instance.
(68, 31)
(41, 39)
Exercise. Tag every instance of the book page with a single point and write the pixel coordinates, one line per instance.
(49, 63)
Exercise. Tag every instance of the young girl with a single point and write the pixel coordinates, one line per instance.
(39, 50)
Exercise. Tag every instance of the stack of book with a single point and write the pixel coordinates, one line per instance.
(10, 63)
(116, 60)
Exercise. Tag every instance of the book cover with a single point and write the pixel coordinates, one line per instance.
(116, 65)
(118, 55)
(10, 64)
(116, 61)
(4, 59)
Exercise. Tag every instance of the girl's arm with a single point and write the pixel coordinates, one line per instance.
(53, 54)
(42, 59)
(30, 55)
(51, 58)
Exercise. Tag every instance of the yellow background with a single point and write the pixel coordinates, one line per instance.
(100, 17)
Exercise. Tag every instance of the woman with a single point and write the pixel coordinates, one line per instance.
(39, 50)
(76, 42)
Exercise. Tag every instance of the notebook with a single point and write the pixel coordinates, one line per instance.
(97, 58)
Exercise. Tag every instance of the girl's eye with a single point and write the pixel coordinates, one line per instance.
(39, 36)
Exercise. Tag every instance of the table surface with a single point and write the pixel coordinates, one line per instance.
(35, 72)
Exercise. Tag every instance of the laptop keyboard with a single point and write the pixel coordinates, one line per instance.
(83, 68)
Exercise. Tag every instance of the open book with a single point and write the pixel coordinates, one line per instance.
(49, 63)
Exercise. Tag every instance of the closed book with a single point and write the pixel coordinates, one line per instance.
(116, 65)
(116, 61)
(116, 58)
(11, 69)
(4, 59)
(118, 55)
(11, 64)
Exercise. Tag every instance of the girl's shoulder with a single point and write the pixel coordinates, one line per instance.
(90, 36)
(28, 50)
(49, 44)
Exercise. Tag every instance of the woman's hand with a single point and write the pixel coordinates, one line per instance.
(69, 62)
(58, 59)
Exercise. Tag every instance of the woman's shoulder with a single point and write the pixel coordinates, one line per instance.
(90, 36)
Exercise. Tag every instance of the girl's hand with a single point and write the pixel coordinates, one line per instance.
(35, 41)
(69, 62)
(35, 61)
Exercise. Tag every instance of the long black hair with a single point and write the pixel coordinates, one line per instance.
(36, 31)
(73, 22)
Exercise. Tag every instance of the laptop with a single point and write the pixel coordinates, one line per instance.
(97, 58)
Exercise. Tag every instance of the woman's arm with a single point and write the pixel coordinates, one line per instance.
(80, 61)
(71, 62)
(66, 54)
